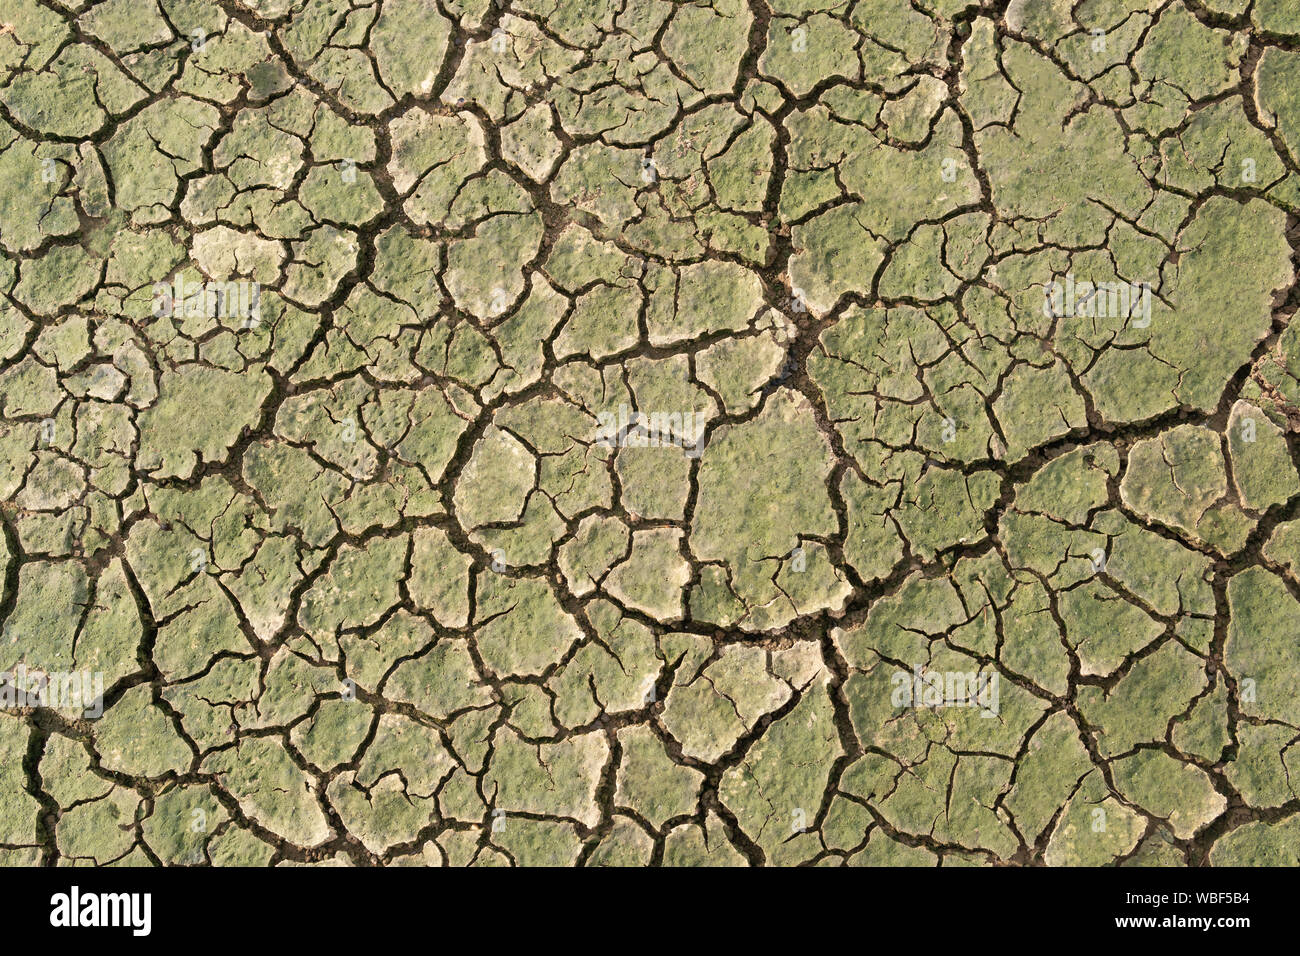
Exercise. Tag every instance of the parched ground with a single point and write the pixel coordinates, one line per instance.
(632, 432)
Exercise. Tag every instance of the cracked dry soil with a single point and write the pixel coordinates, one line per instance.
(627, 432)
